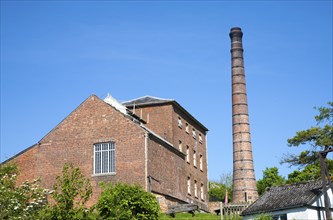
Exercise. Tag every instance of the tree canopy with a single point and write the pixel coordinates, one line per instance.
(71, 191)
(270, 178)
(317, 138)
(218, 189)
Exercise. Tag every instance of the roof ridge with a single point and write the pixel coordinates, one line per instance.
(148, 96)
(293, 185)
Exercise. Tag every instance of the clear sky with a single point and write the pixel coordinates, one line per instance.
(54, 54)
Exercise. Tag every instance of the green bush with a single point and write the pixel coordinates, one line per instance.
(71, 191)
(263, 216)
(19, 202)
(125, 202)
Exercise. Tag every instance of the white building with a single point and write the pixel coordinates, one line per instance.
(298, 201)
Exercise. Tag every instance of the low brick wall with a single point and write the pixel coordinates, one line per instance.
(212, 206)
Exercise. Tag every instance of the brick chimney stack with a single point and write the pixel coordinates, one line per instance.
(244, 182)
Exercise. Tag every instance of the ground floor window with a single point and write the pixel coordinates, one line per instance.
(189, 185)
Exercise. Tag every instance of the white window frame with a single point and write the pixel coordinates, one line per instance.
(200, 138)
(186, 128)
(104, 158)
(201, 162)
(195, 189)
(194, 158)
(180, 123)
(194, 135)
(189, 185)
(202, 192)
(180, 146)
(187, 154)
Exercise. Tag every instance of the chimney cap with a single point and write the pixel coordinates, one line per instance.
(236, 31)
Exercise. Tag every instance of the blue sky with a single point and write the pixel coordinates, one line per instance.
(54, 54)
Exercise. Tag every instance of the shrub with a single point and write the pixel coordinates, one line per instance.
(124, 202)
(71, 191)
(19, 202)
(263, 216)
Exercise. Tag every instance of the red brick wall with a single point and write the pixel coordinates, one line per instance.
(194, 172)
(95, 121)
(163, 120)
(158, 118)
(28, 162)
(72, 141)
(168, 167)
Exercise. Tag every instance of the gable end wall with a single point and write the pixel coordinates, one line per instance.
(72, 141)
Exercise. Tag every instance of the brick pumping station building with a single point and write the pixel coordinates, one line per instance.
(148, 141)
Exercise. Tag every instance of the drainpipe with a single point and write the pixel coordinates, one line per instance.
(146, 162)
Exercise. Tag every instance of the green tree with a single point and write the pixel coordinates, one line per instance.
(19, 202)
(217, 189)
(125, 202)
(270, 178)
(317, 138)
(309, 172)
(71, 191)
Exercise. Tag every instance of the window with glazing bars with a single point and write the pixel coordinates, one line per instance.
(104, 158)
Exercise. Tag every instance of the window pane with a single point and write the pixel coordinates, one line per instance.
(105, 146)
(97, 162)
(112, 161)
(97, 147)
(105, 162)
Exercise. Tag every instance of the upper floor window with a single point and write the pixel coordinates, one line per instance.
(194, 158)
(187, 128)
(193, 133)
(187, 153)
(201, 162)
(180, 123)
(104, 158)
(200, 138)
(180, 146)
(189, 185)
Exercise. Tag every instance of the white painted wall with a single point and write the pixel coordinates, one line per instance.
(302, 213)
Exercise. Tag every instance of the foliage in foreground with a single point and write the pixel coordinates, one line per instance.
(71, 191)
(263, 216)
(203, 216)
(125, 202)
(19, 202)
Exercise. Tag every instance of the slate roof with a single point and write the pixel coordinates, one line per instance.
(286, 197)
(150, 100)
(147, 100)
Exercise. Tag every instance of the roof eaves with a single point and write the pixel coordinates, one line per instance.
(272, 210)
(190, 116)
(18, 154)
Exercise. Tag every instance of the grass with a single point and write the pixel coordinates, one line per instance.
(202, 216)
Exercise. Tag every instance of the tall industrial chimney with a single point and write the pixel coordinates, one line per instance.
(244, 182)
